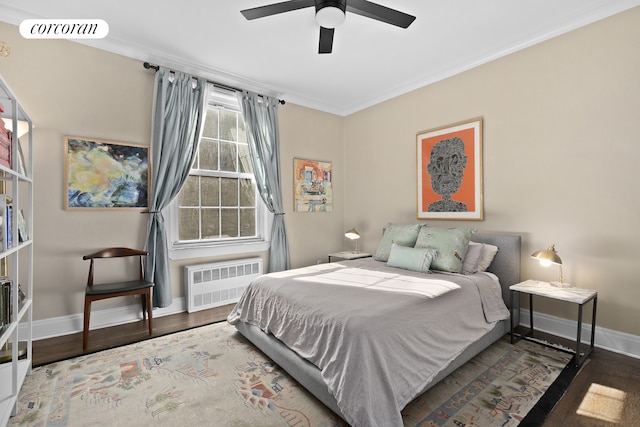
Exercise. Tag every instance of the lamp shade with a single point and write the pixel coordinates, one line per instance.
(548, 256)
(23, 127)
(352, 234)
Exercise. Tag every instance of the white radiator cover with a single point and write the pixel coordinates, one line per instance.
(219, 283)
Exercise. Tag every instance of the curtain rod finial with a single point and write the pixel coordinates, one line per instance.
(147, 66)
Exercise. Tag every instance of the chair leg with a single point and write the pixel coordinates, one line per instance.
(149, 311)
(143, 303)
(87, 316)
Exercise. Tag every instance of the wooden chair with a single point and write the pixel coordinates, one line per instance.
(97, 292)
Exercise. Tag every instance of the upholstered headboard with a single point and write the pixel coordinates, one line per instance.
(506, 264)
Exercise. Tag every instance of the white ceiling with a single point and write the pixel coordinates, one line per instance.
(371, 61)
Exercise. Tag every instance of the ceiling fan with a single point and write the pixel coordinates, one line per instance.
(331, 13)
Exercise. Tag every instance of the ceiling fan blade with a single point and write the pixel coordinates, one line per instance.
(326, 40)
(276, 8)
(380, 13)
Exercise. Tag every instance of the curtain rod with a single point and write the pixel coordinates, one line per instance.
(235, 89)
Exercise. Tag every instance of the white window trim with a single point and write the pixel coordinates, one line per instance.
(201, 249)
(182, 250)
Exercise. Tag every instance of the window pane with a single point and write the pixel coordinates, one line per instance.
(210, 191)
(247, 222)
(190, 193)
(208, 152)
(228, 125)
(228, 156)
(229, 222)
(189, 225)
(211, 223)
(217, 203)
(229, 188)
(244, 159)
(210, 129)
(247, 193)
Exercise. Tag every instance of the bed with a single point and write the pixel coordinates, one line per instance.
(334, 346)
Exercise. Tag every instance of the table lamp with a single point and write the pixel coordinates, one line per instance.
(550, 256)
(353, 235)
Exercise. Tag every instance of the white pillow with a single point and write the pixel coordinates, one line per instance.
(488, 254)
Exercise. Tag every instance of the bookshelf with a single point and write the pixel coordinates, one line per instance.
(16, 249)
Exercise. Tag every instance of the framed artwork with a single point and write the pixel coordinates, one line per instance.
(104, 174)
(449, 166)
(312, 186)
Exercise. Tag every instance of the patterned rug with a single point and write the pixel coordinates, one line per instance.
(212, 376)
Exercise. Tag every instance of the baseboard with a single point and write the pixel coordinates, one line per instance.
(618, 342)
(607, 339)
(65, 325)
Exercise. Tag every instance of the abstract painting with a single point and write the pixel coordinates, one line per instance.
(312, 186)
(103, 174)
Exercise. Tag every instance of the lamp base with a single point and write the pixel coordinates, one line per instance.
(5, 351)
(560, 285)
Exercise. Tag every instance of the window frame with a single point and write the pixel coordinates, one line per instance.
(219, 98)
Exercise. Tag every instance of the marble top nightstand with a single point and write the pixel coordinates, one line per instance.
(545, 289)
(573, 295)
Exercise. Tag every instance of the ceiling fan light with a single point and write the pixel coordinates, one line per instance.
(330, 17)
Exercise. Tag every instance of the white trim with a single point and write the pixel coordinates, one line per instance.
(73, 323)
(607, 339)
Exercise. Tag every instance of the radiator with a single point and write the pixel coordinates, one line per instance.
(219, 283)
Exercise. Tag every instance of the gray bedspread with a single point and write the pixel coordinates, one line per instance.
(378, 334)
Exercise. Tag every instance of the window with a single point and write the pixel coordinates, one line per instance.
(218, 211)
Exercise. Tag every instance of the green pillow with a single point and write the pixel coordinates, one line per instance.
(404, 235)
(414, 259)
(451, 244)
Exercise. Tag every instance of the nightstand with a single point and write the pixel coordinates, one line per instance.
(348, 255)
(572, 295)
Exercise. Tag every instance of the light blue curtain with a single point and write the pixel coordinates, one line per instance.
(178, 108)
(261, 121)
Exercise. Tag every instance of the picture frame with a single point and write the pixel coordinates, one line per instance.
(449, 172)
(101, 174)
(312, 182)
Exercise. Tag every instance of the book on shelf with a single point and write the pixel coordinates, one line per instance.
(6, 223)
(3, 223)
(5, 301)
(9, 227)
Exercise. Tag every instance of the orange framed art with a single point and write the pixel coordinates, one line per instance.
(449, 172)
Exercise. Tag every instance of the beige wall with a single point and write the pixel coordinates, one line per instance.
(310, 134)
(559, 142)
(71, 89)
(560, 159)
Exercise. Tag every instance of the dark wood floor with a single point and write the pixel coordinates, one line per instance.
(606, 391)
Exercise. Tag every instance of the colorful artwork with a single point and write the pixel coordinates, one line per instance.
(312, 186)
(102, 174)
(449, 164)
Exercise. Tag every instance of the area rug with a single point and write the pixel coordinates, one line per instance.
(212, 376)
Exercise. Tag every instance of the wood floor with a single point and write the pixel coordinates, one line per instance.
(606, 391)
